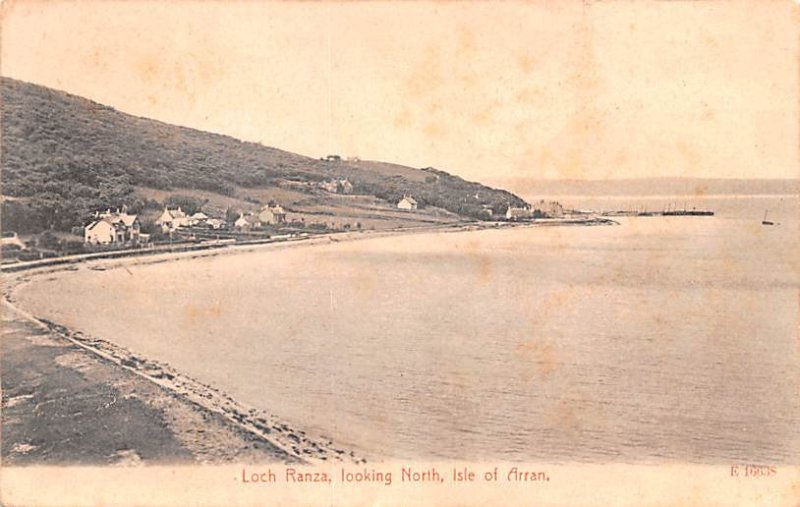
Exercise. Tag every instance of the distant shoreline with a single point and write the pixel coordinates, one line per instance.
(196, 250)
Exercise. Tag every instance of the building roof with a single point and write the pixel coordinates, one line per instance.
(175, 213)
(277, 209)
(518, 212)
(408, 199)
(96, 223)
(200, 216)
(245, 220)
(116, 219)
(127, 219)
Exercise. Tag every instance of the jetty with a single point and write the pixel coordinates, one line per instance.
(665, 213)
(688, 213)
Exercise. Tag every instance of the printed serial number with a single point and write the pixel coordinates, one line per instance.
(753, 471)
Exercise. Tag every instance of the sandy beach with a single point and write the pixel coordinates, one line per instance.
(66, 405)
(243, 433)
(166, 417)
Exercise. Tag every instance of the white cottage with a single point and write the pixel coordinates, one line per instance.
(101, 232)
(337, 186)
(198, 218)
(109, 228)
(272, 215)
(215, 223)
(407, 203)
(246, 222)
(513, 213)
(171, 219)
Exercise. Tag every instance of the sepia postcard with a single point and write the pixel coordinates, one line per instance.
(400, 253)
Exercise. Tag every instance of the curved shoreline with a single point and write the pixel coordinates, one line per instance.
(192, 251)
(197, 250)
(295, 442)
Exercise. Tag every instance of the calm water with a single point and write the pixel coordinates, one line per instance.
(664, 339)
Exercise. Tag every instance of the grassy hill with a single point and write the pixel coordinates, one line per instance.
(65, 156)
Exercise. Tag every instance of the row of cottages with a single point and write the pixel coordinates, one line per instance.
(113, 228)
(268, 215)
(549, 209)
(338, 158)
(172, 219)
(407, 203)
(514, 213)
(541, 209)
(337, 186)
(200, 219)
(272, 215)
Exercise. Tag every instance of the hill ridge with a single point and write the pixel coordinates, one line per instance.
(64, 156)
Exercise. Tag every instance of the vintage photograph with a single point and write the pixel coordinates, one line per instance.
(362, 253)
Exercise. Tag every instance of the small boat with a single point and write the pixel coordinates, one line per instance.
(765, 221)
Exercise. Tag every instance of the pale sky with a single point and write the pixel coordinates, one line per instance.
(538, 89)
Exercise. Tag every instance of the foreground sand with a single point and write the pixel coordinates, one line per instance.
(65, 405)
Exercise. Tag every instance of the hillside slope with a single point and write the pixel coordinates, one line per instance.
(64, 156)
